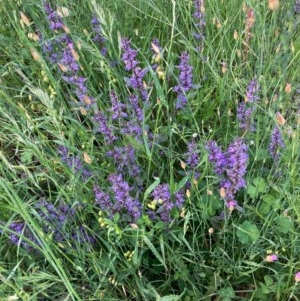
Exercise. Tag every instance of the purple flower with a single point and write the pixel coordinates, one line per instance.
(55, 20)
(185, 80)
(246, 109)
(157, 53)
(162, 203)
(98, 35)
(133, 129)
(102, 199)
(124, 203)
(61, 51)
(136, 81)
(252, 91)
(231, 166)
(155, 42)
(216, 156)
(131, 64)
(192, 155)
(74, 163)
(161, 192)
(129, 55)
(179, 199)
(200, 22)
(81, 236)
(125, 159)
(137, 111)
(244, 115)
(275, 144)
(54, 218)
(117, 108)
(19, 230)
(237, 158)
(104, 128)
(68, 59)
(297, 7)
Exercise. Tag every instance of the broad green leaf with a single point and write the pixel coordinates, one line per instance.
(257, 187)
(247, 232)
(260, 184)
(283, 224)
(226, 293)
(264, 288)
(264, 208)
(252, 191)
(268, 280)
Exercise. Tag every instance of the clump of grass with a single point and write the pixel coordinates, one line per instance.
(149, 151)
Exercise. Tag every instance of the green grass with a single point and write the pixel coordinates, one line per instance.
(197, 255)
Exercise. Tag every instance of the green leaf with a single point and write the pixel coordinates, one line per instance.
(257, 187)
(264, 289)
(272, 200)
(251, 190)
(226, 293)
(247, 232)
(269, 202)
(264, 208)
(268, 280)
(260, 184)
(283, 224)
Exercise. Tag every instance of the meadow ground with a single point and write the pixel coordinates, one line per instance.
(149, 150)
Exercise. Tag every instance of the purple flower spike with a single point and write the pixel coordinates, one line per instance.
(131, 64)
(244, 115)
(117, 108)
(237, 157)
(102, 199)
(246, 109)
(98, 38)
(192, 155)
(123, 200)
(231, 166)
(275, 144)
(125, 159)
(55, 20)
(129, 55)
(74, 163)
(200, 22)
(252, 91)
(104, 128)
(216, 156)
(185, 80)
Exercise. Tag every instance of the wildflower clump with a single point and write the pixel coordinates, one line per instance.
(231, 167)
(106, 192)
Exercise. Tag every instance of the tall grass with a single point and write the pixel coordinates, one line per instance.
(149, 150)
